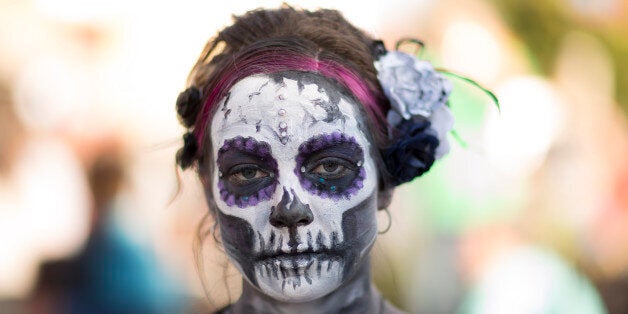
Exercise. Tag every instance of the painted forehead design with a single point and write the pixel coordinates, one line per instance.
(285, 105)
(333, 91)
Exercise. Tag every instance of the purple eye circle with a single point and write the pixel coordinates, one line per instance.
(330, 166)
(249, 172)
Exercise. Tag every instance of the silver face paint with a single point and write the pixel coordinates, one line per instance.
(312, 257)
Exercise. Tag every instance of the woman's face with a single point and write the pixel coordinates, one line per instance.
(295, 184)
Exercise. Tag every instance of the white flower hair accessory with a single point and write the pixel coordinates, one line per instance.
(419, 114)
(415, 89)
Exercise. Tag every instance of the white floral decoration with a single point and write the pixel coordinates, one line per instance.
(415, 89)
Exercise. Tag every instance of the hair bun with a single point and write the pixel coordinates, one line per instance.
(187, 154)
(188, 106)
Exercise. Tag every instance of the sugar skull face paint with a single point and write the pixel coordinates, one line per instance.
(295, 184)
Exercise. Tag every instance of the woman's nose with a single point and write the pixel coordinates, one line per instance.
(290, 212)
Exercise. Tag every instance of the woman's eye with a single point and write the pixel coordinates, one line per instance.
(331, 168)
(328, 167)
(248, 173)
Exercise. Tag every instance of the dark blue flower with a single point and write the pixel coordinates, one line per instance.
(413, 152)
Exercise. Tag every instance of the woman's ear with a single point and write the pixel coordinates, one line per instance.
(384, 197)
(385, 189)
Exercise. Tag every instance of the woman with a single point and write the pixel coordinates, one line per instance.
(296, 144)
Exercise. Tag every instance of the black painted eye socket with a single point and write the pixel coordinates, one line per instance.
(330, 165)
(324, 174)
(245, 174)
(247, 171)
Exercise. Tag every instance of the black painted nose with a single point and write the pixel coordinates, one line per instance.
(290, 213)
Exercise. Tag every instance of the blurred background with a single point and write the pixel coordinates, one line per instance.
(527, 214)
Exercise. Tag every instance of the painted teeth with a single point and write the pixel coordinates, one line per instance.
(309, 239)
(272, 241)
(287, 267)
(288, 276)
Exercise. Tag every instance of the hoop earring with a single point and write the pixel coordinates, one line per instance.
(389, 222)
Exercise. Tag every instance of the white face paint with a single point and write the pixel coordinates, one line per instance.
(295, 184)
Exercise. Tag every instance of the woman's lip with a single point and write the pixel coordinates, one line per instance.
(296, 260)
(298, 267)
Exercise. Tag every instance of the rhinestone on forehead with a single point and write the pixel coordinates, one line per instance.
(283, 128)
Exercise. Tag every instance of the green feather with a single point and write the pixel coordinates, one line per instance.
(459, 139)
(474, 83)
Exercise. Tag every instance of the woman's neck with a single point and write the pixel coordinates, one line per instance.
(357, 295)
